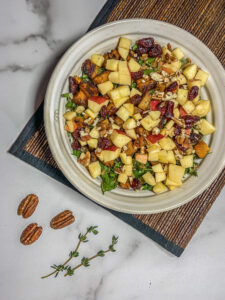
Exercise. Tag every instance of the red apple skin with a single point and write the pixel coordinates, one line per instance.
(111, 148)
(120, 131)
(98, 99)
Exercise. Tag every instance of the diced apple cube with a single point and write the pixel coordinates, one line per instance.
(94, 133)
(149, 178)
(135, 92)
(124, 79)
(105, 87)
(97, 59)
(182, 96)
(130, 123)
(130, 108)
(123, 67)
(115, 126)
(82, 143)
(159, 188)
(167, 143)
(95, 103)
(205, 127)
(108, 155)
(172, 67)
(133, 65)
(172, 187)
(145, 101)
(123, 157)
(190, 71)
(154, 114)
(178, 53)
(194, 82)
(148, 123)
(131, 133)
(112, 64)
(163, 156)
(123, 113)
(153, 152)
(175, 173)
(187, 161)
(202, 108)
(170, 182)
(169, 124)
(122, 177)
(176, 113)
(128, 169)
(114, 77)
(114, 94)
(123, 52)
(124, 43)
(157, 168)
(80, 109)
(69, 115)
(70, 126)
(95, 169)
(160, 176)
(137, 116)
(92, 143)
(181, 79)
(165, 51)
(124, 91)
(142, 158)
(171, 157)
(119, 139)
(120, 101)
(189, 107)
(91, 114)
(203, 76)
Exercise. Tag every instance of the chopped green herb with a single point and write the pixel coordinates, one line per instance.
(69, 104)
(84, 77)
(148, 71)
(133, 84)
(91, 126)
(68, 134)
(150, 60)
(115, 85)
(79, 115)
(134, 48)
(77, 153)
(100, 70)
(152, 92)
(117, 164)
(67, 95)
(141, 61)
(183, 62)
(74, 106)
(147, 187)
(191, 171)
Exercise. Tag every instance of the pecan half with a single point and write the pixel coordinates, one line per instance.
(28, 206)
(30, 234)
(62, 220)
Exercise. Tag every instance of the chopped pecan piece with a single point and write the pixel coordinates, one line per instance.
(80, 98)
(89, 89)
(85, 159)
(89, 68)
(146, 85)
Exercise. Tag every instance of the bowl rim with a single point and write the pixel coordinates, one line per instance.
(48, 125)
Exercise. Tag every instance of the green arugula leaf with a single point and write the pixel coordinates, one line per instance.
(134, 48)
(77, 153)
(85, 77)
(141, 61)
(147, 187)
(67, 95)
(134, 85)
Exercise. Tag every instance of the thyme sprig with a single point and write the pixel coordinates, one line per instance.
(64, 267)
(85, 260)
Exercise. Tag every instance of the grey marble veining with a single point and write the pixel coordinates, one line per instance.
(33, 34)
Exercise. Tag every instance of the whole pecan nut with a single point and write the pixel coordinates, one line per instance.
(30, 234)
(28, 206)
(63, 219)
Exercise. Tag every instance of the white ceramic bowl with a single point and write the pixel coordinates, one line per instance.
(101, 40)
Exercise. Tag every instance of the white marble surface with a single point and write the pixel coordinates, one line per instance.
(32, 35)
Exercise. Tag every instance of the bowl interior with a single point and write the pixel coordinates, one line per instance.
(100, 41)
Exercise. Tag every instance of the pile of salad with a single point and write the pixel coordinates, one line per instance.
(135, 118)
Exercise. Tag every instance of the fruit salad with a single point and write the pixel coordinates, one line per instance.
(135, 117)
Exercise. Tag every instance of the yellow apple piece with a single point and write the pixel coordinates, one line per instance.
(124, 79)
(123, 113)
(202, 108)
(190, 71)
(114, 77)
(176, 173)
(163, 157)
(178, 53)
(172, 183)
(172, 67)
(69, 115)
(153, 152)
(105, 87)
(171, 157)
(123, 52)
(167, 143)
(157, 168)
(159, 188)
(95, 169)
(124, 91)
(187, 161)
(120, 101)
(124, 43)
(135, 92)
(80, 109)
(97, 59)
(91, 113)
(122, 177)
(181, 79)
(114, 94)
(189, 107)
(133, 65)
(111, 154)
(142, 158)
(112, 64)
(137, 116)
(182, 96)
(194, 82)
(130, 124)
(130, 108)
(92, 143)
(96, 103)
(202, 76)
(94, 133)
(154, 114)
(160, 176)
(131, 133)
(149, 178)
(169, 124)
(123, 67)
(119, 138)
(128, 169)
(205, 127)
(148, 123)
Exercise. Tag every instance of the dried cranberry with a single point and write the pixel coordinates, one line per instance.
(162, 108)
(104, 143)
(177, 129)
(142, 50)
(169, 109)
(190, 120)
(103, 111)
(136, 99)
(76, 145)
(195, 138)
(146, 42)
(76, 133)
(136, 184)
(161, 123)
(73, 86)
(137, 75)
(193, 93)
(155, 50)
(172, 87)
